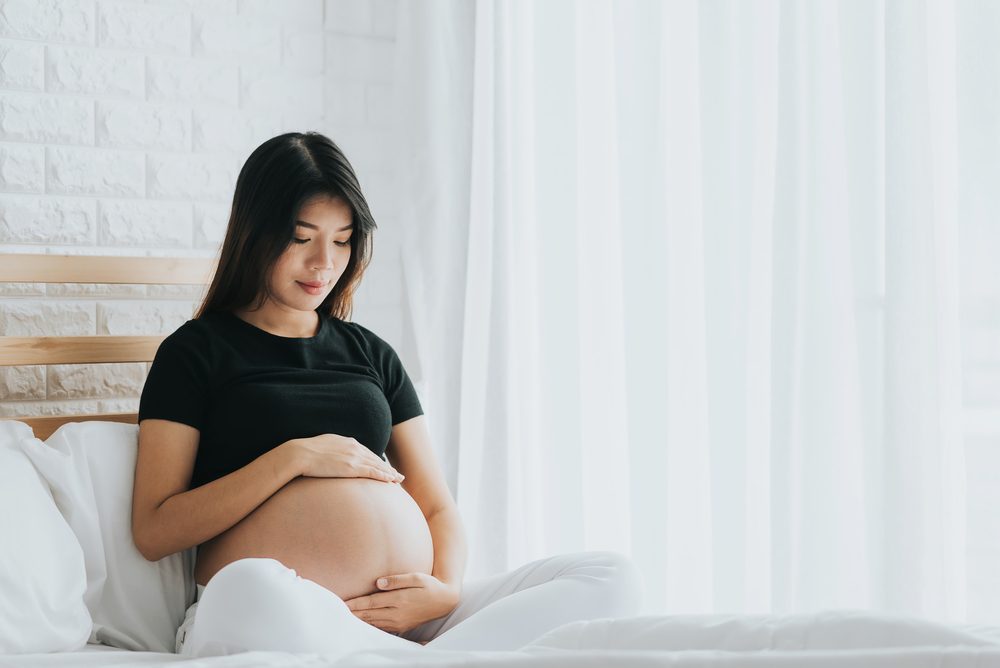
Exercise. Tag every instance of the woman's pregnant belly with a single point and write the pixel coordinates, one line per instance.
(342, 533)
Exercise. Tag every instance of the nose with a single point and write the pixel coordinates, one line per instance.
(322, 259)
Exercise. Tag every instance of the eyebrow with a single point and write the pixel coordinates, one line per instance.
(313, 227)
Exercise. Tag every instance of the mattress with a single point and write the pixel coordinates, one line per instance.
(841, 638)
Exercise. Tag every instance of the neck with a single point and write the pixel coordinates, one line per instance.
(298, 324)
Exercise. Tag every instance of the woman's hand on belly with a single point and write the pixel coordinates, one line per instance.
(342, 533)
(336, 456)
(405, 602)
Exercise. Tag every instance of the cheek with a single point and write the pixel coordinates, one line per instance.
(281, 271)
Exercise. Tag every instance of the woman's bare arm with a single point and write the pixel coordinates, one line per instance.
(410, 447)
(169, 518)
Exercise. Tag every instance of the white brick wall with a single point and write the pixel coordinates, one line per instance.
(123, 127)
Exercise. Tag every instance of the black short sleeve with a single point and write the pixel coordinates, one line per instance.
(177, 387)
(396, 385)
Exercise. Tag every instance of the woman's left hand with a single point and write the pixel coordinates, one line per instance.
(405, 602)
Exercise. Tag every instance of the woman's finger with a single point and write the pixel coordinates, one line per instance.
(381, 474)
(382, 462)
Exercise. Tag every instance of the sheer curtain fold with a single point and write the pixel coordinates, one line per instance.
(925, 486)
(753, 591)
(687, 483)
(601, 394)
(684, 285)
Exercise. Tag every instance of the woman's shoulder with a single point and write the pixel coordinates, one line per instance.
(197, 334)
(362, 333)
(378, 350)
(350, 326)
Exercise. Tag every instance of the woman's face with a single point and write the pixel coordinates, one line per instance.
(316, 258)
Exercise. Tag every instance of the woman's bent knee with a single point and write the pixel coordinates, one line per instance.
(249, 603)
(256, 570)
(256, 587)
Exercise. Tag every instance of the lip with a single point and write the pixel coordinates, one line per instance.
(314, 284)
(313, 288)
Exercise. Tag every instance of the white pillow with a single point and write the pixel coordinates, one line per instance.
(135, 604)
(42, 577)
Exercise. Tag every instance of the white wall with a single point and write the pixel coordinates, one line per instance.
(123, 127)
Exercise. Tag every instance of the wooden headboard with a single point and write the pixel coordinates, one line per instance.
(18, 350)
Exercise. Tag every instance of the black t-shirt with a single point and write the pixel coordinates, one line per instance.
(248, 391)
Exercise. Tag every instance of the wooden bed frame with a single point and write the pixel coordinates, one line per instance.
(23, 350)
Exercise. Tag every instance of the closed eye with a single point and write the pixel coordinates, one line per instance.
(339, 243)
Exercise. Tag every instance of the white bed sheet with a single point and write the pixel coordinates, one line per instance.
(841, 638)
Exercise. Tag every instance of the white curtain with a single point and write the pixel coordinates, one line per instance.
(684, 283)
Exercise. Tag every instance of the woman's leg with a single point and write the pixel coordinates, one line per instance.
(509, 610)
(260, 604)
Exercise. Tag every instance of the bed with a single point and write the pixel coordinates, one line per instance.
(76, 592)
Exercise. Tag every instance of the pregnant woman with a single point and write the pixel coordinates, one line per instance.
(288, 444)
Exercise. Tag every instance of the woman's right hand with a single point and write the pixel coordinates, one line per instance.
(335, 456)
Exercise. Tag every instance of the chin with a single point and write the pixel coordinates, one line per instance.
(303, 306)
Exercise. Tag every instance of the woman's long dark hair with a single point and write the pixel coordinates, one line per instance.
(279, 177)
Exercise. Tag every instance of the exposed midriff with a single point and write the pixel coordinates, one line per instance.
(342, 533)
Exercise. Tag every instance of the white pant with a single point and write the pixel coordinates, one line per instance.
(259, 604)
